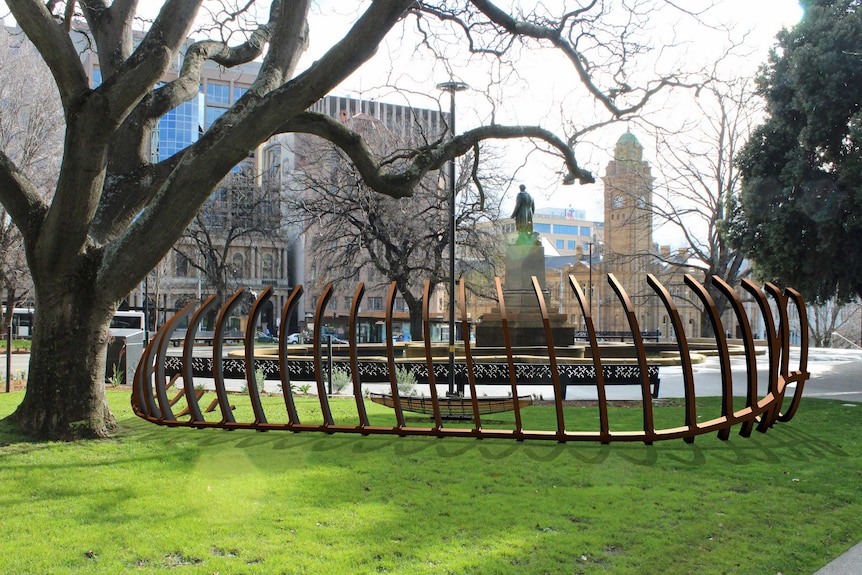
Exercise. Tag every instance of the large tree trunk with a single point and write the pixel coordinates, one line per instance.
(416, 325)
(65, 397)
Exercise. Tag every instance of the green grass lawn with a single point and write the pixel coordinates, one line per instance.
(159, 500)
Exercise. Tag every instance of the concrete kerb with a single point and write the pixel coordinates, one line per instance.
(850, 563)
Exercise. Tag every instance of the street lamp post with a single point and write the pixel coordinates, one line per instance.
(590, 305)
(452, 87)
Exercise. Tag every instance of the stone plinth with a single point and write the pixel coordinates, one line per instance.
(523, 262)
(522, 308)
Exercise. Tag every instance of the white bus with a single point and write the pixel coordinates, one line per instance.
(129, 320)
(22, 321)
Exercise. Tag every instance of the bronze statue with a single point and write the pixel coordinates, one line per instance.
(523, 216)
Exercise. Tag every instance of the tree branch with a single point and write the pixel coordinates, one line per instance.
(401, 184)
(55, 46)
(20, 198)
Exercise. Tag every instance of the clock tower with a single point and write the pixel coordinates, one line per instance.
(628, 246)
(628, 184)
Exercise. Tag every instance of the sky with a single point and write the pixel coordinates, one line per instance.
(545, 90)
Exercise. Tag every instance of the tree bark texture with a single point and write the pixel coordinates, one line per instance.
(65, 397)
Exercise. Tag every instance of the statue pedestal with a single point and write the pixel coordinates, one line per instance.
(523, 316)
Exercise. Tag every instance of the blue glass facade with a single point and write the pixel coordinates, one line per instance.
(213, 114)
(178, 129)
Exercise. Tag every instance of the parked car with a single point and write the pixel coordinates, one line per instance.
(293, 338)
(309, 338)
(266, 338)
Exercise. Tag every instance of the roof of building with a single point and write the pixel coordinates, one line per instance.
(628, 138)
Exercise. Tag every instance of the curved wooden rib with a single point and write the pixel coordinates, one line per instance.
(318, 352)
(354, 357)
(429, 356)
(250, 367)
(723, 353)
(165, 412)
(218, 357)
(773, 349)
(750, 353)
(646, 395)
(288, 311)
(604, 424)
(801, 375)
(507, 340)
(785, 375)
(188, 358)
(468, 358)
(150, 400)
(684, 351)
(552, 358)
(390, 356)
(143, 399)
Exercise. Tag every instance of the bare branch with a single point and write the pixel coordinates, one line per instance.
(425, 159)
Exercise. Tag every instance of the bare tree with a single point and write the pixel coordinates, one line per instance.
(240, 212)
(155, 283)
(31, 134)
(834, 323)
(698, 184)
(115, 213)
(350, 227)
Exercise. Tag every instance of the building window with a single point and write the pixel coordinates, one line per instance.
(347, 301)
(177, 130)
(572, 244)
(585, 231)
(560, 244)
(237, 265)
(266, 267)
(238, 92)
(218, 93)
(182, 265)
(375, 303)
(542, 228)
(567, 230)
(272, 163)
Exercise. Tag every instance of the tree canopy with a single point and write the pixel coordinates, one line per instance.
(801, 217)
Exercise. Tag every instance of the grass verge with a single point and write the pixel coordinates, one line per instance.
(158, 500)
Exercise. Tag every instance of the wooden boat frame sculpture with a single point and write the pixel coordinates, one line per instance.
(150, 399)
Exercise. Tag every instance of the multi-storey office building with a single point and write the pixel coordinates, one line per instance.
(566, 230)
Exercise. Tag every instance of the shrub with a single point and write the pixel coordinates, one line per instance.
(340, 379)
(406, 381)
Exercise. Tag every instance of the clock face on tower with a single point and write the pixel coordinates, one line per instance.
(617, 201)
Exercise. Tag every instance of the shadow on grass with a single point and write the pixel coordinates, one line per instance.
(784, 442)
